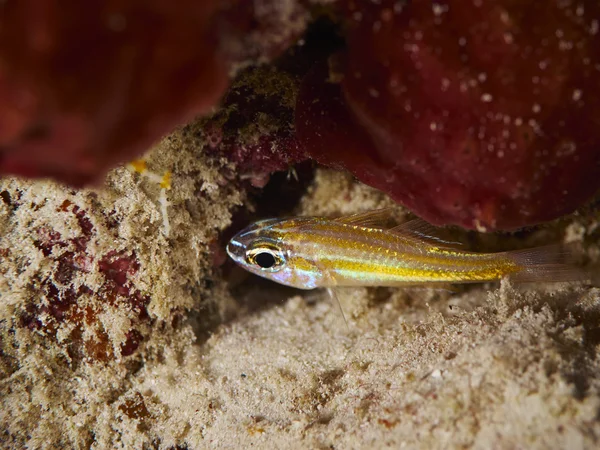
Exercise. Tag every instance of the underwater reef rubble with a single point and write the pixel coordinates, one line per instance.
(122, 323)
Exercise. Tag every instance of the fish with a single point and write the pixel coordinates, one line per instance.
(364, 250)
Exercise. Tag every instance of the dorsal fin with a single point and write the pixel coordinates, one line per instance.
(378, 218)
(419, 229)
(384, 218)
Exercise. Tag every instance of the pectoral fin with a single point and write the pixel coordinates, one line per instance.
(333, 295)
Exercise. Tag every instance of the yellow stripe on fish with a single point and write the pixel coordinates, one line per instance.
(360, 250)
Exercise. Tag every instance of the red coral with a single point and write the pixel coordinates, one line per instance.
(262, 30)
(63, 299)
(117, 268)
(254, 129)
(470, 113)
(94, 83)
(482, 114)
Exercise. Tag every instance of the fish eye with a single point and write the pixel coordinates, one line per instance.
(266, 258)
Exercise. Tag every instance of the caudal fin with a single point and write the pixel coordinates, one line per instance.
(551, 264)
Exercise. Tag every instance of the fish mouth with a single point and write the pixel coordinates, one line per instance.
(236, 247)
(236, 250)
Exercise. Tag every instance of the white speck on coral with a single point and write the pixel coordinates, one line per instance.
(164, 183)
(486, 98)
(164, 204)
(577, 95)
(373, 92)
(439, 9)
(565, 45)
(411, 48)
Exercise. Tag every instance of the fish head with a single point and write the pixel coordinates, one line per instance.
(268, 248)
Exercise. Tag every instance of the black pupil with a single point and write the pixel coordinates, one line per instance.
(265, 260)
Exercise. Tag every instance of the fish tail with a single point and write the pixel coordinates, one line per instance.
(550, 263)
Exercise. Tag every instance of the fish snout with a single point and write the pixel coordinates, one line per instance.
(236, 250)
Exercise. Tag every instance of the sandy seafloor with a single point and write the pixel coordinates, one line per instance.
(222, 361)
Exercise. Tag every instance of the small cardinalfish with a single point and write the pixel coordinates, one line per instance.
(358, 250)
